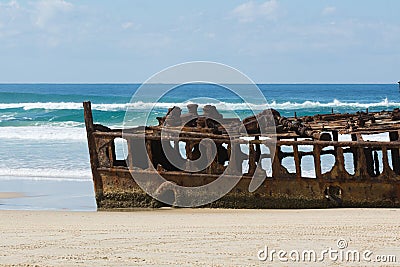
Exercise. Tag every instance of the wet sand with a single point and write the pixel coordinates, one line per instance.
(190, 237)
(8, 195)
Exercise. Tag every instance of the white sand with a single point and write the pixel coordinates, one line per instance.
(187, 237)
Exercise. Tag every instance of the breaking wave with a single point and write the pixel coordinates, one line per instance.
(49, 133)
(220, 105)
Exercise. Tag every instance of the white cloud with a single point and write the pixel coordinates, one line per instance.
(269, 8)
(9, 9)
(11, 4)
(46, 10)
(10, 13)
(127, 25)
(245, 11)
(251, 11)
(328, 10)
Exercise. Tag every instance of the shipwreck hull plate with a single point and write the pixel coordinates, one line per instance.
(121, 191)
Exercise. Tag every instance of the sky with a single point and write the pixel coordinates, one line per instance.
(127, 41)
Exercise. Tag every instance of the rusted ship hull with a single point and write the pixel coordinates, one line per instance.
(121, 191)
(116, 187)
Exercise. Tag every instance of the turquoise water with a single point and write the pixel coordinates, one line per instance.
(43, 143)
(52, 104)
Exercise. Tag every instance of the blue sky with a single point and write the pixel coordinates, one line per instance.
(273, 41)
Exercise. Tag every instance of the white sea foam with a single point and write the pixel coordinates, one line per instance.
(43, 133)
(7, 117)
(381, 137)
(45, 174)
(220, 105)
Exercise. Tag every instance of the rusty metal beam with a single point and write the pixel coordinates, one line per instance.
(94, 162)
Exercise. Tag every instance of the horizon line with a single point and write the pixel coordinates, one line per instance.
(260, 83)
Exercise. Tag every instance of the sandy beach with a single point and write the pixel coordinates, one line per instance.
(191, 237)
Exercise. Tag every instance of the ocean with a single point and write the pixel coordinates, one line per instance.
(44, 153)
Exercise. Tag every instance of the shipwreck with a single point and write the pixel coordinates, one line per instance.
(372, 180)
